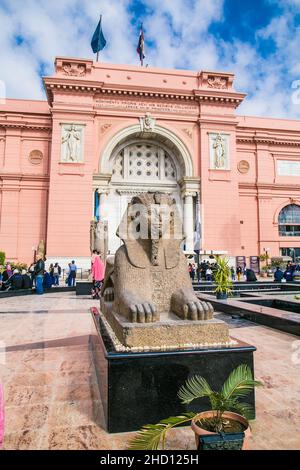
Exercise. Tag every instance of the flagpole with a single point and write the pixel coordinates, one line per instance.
(99, 39)
(141, 55)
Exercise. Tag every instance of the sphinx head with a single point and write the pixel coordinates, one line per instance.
(151, 216)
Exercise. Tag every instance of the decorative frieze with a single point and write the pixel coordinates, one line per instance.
(73, 69)
(216, 80)
(219, 83)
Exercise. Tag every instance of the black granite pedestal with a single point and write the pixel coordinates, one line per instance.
(141, 388)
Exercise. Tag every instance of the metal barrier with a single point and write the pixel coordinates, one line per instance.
(81, 274)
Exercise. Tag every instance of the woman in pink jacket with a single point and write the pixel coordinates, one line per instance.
(98, 269)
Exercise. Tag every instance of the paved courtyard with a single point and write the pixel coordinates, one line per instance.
(51, 395)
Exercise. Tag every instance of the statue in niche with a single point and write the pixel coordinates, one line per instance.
(150, 276)
(219, 152)
(72, 140)
(98, 237)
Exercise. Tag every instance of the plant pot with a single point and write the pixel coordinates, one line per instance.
(228, 414)
(222, 296)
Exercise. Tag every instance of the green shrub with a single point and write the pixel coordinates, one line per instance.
(2, 258)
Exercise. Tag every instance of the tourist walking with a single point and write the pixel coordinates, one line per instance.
(208, 274)
(39, 276)
(98, 270)
(56, 274)
(191, 271)
(239, 272)
(72, 274)
(51, 273)
(232, 270)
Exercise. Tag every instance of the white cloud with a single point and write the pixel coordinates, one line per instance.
(177, 30)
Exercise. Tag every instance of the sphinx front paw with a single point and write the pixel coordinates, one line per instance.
(197, 310)
(143, 312)
(188, 307)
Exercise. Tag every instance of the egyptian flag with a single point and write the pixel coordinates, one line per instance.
(141, 45)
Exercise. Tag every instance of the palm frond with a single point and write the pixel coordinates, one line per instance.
(196, 387)
(153, 436)
(244, 409)
(148, 438)
(239, 383)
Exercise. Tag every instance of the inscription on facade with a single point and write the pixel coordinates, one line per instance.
(135, 105)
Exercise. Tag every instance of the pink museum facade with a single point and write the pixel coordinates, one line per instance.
(107, 132)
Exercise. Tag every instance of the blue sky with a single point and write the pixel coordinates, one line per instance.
(257, 40)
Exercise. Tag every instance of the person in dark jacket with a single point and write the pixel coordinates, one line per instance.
(250, 275)
(48, 281)
(39, 275)
(288, 275)
(31, 271)
(5, 277)
(27, 284)
(15, 282)
(278, 275)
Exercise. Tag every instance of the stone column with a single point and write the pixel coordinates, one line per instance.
(103, 210)
(188, 221)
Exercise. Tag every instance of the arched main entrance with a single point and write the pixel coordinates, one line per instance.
(135, 162)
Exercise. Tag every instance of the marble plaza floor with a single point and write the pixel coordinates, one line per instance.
(51, 396)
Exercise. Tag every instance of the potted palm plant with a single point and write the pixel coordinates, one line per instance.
(224, 427)
(222, 278)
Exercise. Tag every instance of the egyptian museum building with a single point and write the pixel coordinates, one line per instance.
(107, 132)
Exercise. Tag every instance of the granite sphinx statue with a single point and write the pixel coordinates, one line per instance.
(149, 276)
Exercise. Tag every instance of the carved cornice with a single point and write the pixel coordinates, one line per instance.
(189, 186)
(267, 140)
(270, 186)
(82, 86)
(137, 191)
(25, 125)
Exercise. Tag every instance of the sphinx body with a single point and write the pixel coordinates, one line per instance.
(149, 276)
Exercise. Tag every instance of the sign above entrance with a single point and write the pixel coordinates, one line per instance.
(150, 106)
